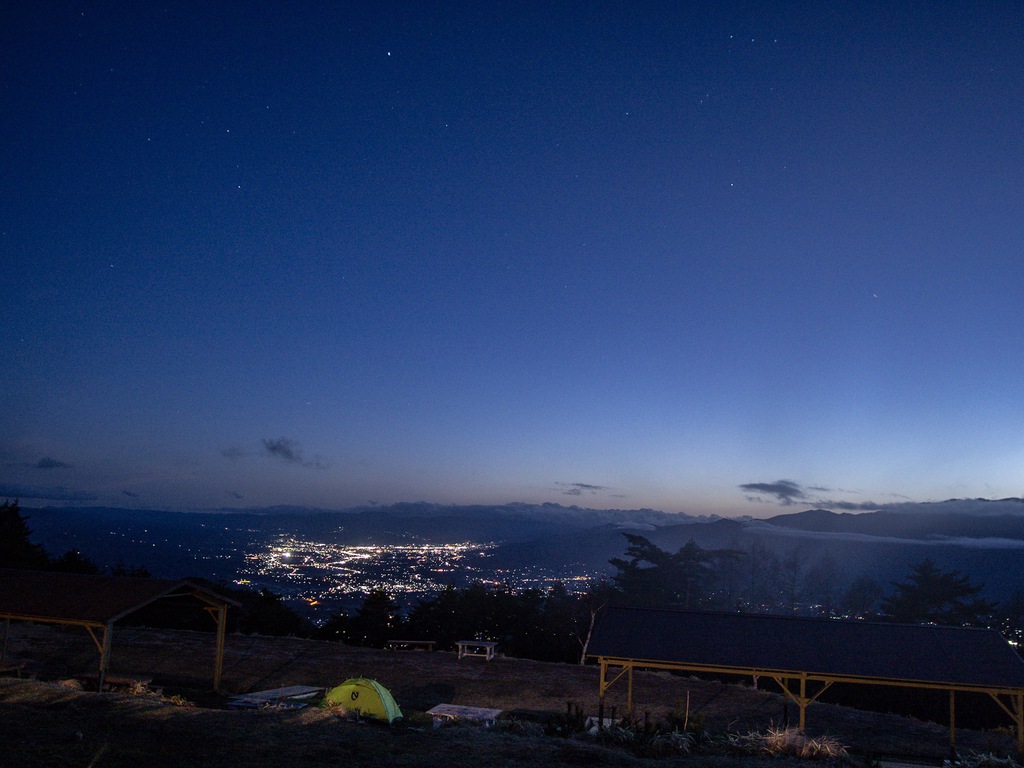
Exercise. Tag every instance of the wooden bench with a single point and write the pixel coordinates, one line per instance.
(481, 648)
(410, 645)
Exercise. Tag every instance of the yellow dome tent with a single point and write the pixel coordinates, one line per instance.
(364, 697)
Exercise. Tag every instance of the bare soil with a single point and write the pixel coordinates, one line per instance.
(48, 721)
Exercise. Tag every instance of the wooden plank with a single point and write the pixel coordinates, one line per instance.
(292, 696)
(410, 645)
(289, 697)
(288, 692)
(462, 712)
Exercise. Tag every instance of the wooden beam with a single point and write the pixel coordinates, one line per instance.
(108, 639)
(952, 723)
(604, 684)
(801, 699)
(629, 693)
(1015, 710)
(96, 640)
(218, 664)
(1018, 708)
(601, 688)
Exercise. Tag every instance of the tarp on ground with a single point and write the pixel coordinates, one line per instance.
(364, 697)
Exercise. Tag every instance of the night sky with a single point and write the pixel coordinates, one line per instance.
(704, 258)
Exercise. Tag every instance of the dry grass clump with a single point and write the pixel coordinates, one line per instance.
(787, 742)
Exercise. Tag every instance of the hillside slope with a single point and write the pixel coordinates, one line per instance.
(47, 723)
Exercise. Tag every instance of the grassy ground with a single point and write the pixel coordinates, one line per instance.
(49, 723)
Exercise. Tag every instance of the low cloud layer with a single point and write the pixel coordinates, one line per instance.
(51, 493)
(789, 493)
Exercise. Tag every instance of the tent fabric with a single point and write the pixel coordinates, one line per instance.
(365, 697)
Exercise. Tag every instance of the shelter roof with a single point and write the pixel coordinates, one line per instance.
(87, 599)
(865, 650)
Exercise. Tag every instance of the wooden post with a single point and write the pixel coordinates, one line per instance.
(1018, 707)
(218, 664)
(952, 723)
(108, 639)
(629, 694)
(600, 696)
(803, 700)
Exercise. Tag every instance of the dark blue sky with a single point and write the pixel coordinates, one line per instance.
(612, 254)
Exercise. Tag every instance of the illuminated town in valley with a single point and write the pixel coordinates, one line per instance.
(318, 578)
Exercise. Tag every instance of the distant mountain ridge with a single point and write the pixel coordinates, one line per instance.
(882, 545)
(547, 512)
(935, 526)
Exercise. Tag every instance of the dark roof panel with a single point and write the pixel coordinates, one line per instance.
(921, 653)
(74, 597)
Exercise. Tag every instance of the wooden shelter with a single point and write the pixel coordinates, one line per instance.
(806, 656)
(97, 603)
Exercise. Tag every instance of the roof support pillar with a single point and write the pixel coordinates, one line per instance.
(952, 723)
(218, 665)
(1018, 712)
(803, 701)
(800, 697)
(108, 639)
(1015, 710)
(604, 684)
(629, 692)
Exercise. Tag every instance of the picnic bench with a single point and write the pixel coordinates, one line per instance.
(453, 712)
(410, 645)
(481, 648)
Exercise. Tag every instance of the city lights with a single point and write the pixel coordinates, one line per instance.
(328, 576)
